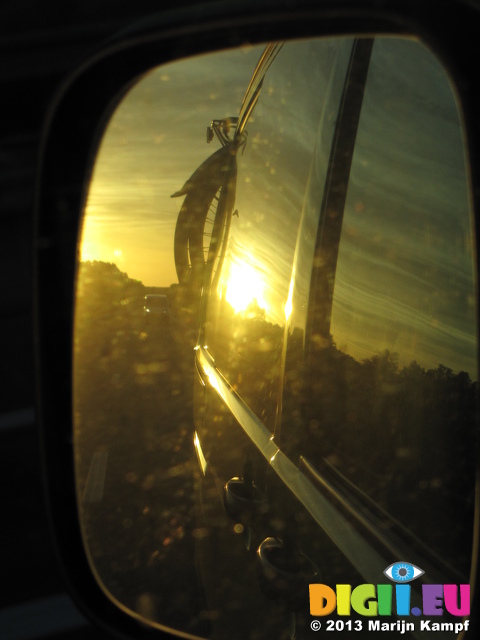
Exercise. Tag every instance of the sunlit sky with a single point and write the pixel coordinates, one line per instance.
(406, 219)
(153, 143)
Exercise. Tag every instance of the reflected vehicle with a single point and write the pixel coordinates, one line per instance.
(156, 308)
(337, 357)
(309, 416)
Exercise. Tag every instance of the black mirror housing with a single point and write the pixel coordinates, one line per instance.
(72, 133)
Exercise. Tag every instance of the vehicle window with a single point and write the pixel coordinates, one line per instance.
(249, 302)
(393, 373)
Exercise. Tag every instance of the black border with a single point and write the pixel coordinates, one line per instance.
(72, 130)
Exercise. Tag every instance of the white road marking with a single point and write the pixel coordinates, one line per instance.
(96, 477)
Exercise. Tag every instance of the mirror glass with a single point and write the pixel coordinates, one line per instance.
(275, 346)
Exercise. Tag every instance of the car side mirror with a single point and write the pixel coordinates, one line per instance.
(134, 245)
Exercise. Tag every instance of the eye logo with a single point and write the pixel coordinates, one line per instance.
(402, 572)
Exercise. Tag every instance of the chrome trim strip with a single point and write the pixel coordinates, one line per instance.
(199, 451)
(361, 554)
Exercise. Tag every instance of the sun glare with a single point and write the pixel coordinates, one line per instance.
(244, 286)
(289, 302)
(92, 247)
(89, 246)
(89, 251)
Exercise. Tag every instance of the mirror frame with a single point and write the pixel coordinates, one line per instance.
(76, 121)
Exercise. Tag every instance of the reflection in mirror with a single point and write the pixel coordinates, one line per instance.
(275, 335)
(403, 346)
(136, 324)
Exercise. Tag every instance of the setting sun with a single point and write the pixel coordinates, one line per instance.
(89, 245)
(244, 285)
